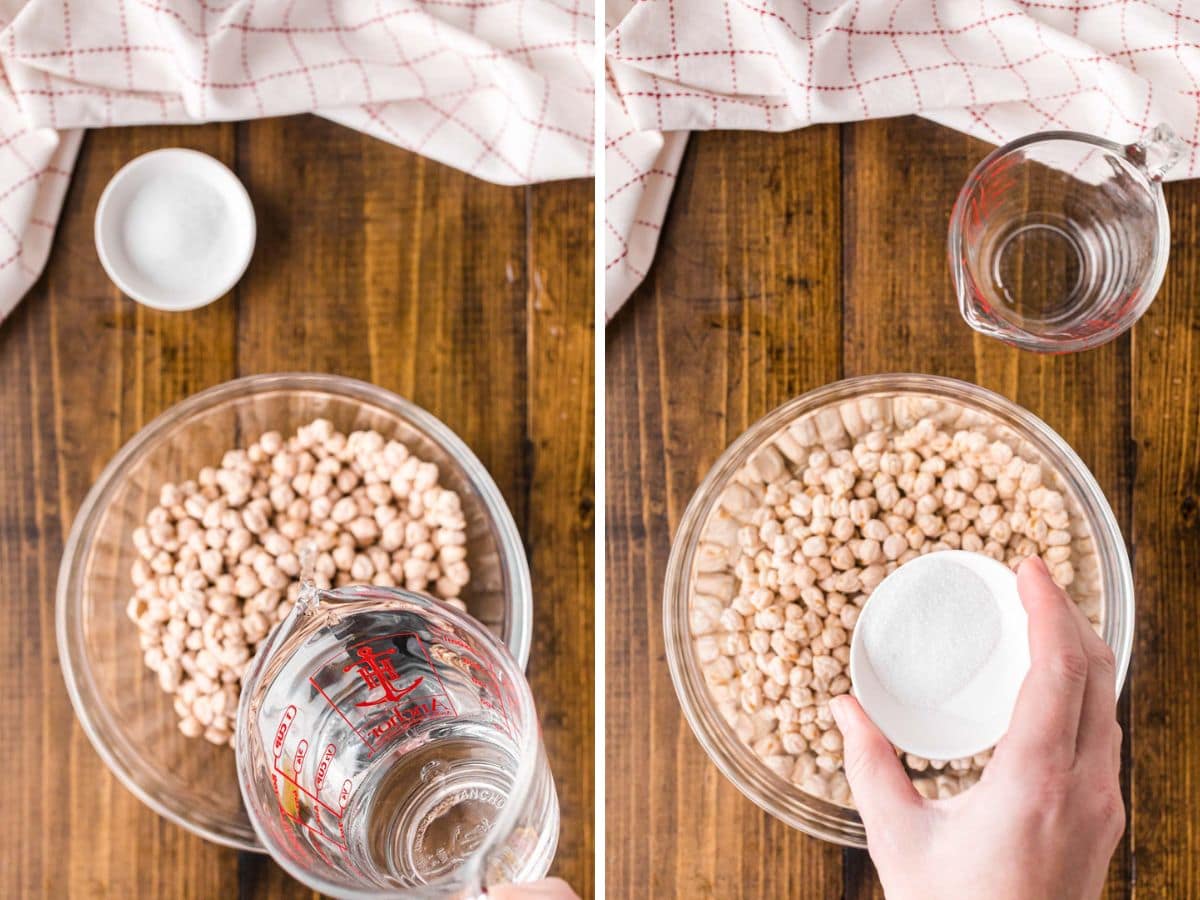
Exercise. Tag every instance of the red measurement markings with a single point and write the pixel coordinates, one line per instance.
(500, 691)
(473, 665)
(424, 651)
(483, 676)
(316, 846)
(337, 709)
(292, 843)
(301, 752)
(346, 841)
(438, 676)
(344, 796)
(376, 671)
(379, 674)
(317, 801)
(449, 637)
(402, 720)
(317, 806)
(285, 722)
(302, 853)
(324, 764)
(313, 846)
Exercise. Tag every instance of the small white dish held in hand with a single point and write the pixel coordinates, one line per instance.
(939, 654)
(175, 229)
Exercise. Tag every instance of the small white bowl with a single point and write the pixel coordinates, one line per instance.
(976, 716)
(154, 223)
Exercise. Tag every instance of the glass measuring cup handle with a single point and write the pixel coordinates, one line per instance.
(1157, 152)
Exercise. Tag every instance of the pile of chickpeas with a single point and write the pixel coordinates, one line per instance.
(219, 557)
(815, 520)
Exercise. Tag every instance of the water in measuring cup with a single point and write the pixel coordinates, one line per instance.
(425, 814)
(393, 756)
(1057, 255)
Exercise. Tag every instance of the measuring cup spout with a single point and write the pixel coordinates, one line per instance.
(1157, 152)
(309, 597)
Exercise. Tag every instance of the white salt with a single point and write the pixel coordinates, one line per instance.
(931, 629)
(175, 230)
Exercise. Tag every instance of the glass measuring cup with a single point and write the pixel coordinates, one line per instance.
(387, 743)
(1059, 240)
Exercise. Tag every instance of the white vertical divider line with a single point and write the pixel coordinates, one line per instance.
(599, 442)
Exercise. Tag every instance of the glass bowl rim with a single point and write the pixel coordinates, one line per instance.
(81, 687)
(733, 759)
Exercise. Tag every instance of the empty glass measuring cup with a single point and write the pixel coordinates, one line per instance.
(387, 743)
(1059, 240)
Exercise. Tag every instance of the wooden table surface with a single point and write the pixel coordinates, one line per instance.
(470, 299)
(788, 261)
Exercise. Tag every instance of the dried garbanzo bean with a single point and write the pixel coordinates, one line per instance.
(218, 557)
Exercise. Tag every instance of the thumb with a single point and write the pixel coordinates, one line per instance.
(881, 788)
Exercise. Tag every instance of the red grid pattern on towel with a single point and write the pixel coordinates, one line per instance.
(996, 69)
(501, 89)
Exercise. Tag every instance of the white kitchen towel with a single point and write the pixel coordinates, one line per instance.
(995, 69)
(502, 89)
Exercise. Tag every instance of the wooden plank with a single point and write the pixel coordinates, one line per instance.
(83, 370)
(740, 312)
(1166, 533)
(900, 315)
(395, 270)
(560, 520)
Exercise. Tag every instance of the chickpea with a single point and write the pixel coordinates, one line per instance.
(217, 555)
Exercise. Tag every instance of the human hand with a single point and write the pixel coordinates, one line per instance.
(1047, 814)
(547, 889)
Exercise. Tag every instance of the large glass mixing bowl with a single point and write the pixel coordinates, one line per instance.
(124, 711)
(1063, 469)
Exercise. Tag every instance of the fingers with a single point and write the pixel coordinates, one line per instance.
(1045, 721)
(881, 788)
(1098, 720)
(547, 889)
(1116, 739)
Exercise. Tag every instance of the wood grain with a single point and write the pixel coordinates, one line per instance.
(371, 262)
(883, 302)
(1165, 726)
(740, 312)
(560, 516)
(84, 369)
